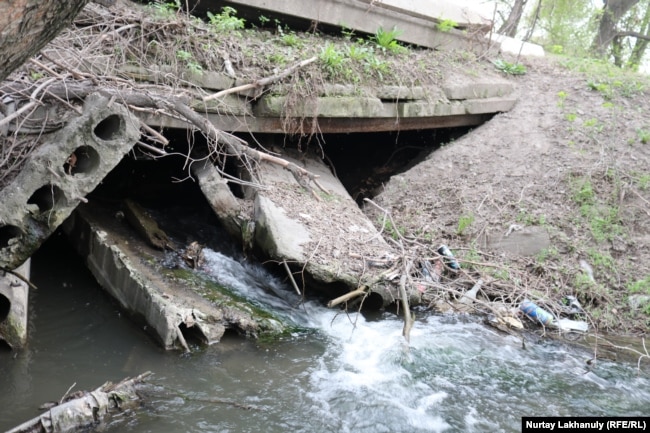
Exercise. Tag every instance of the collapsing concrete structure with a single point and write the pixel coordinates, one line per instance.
(329, 242)
(65, 167)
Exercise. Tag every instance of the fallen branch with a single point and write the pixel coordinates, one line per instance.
(293, 281)
(408, 318)
(17, 275)
(347, 297)
(262, 82)
(87, 409)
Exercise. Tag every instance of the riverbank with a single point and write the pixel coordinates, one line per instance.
(566, 171)
(547, 200)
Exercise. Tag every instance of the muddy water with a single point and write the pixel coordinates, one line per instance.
(342, 374)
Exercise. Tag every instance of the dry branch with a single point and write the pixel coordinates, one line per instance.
(350, 295)
(261, 83)
(160, 99)
(408, 318)
(86, 409)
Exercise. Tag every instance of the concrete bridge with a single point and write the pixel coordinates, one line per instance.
(72, 161)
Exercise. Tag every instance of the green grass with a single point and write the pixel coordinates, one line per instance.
(602, 219)
(640, 286)
(463, 223)
(333, 60)
(392, 231)
(643, 135)
(165, 9)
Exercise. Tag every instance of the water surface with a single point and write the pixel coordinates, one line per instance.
(345, 373)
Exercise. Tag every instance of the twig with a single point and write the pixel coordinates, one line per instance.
(261, 83)
(46, 68)
(159, 137)
(181, 339)
(347, 297)
(67, 392)
(293, 281)
(17, 275)
(151, 148)
(30, 105)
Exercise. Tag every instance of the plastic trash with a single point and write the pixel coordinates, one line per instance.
(470, 296)
(571, 305)
(450, 260)
(572, 325)
(537, 313)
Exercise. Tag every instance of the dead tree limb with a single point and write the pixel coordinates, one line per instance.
(237, 146)
(408, 318)
(89, 408)
(293, 281)
(262, 82)
(176, 103)
(347, 297)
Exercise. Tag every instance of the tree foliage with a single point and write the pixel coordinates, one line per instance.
(616, 30)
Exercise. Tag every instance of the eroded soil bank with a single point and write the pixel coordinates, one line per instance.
(569, 163)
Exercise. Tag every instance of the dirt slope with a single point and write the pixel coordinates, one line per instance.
(569, 160)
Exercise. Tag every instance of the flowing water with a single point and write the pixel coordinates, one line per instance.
(343, 373)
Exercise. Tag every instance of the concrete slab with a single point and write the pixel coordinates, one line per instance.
(170, 300)
(68, 165)
(489, 105)
(327, 106)
(463, 86)
(524, 241)
(365, 16)
(437, 10)
(328, 239)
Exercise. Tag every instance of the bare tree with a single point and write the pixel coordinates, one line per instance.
(612, 12)
(509, 27)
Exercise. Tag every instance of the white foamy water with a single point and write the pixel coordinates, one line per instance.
(344, 373)
(455, 375)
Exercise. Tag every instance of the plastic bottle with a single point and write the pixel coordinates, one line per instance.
(450, 260)
(535, 312)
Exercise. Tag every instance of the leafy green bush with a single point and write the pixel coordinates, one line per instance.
(226, 20)
(509, 68)
(387, 40)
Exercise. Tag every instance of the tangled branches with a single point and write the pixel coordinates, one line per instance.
(114, 53)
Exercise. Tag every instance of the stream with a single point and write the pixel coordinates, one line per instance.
(340, 373)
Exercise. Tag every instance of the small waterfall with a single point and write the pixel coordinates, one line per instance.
(456, 375)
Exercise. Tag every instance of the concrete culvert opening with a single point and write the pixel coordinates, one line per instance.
(192, 334)
(5, 307)
(8, 234)
(84, 159)
(47, 197)
(110, 128)
(362, 161)
(365, 161)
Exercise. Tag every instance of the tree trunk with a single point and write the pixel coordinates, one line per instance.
(509, 28)
(28, 25)
(612, 12)
(641, 44)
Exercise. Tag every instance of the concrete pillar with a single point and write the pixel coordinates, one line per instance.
(14, 298)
